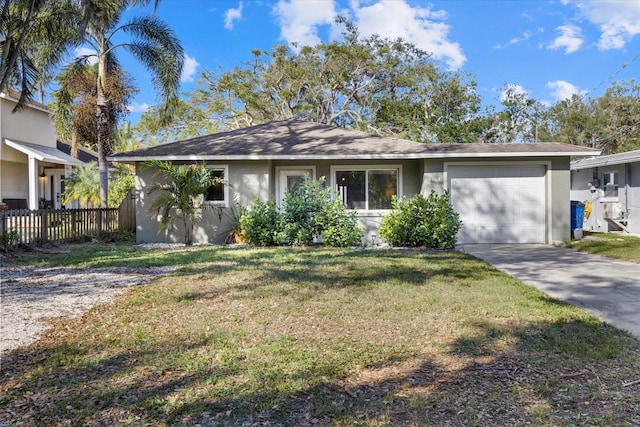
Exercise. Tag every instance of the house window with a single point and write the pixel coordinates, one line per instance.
(610, 184)
(367, 188)
(218, 193)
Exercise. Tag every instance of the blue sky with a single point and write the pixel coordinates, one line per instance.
(549, 49)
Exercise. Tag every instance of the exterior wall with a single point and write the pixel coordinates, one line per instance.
(628, 195)
(31, 125)
(633, 197)
(248, 180)
(410, 186)
(26, 125)
(557, 218)
(251, 179)
(14, 180)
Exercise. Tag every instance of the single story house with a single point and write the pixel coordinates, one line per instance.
(32, 168)
(504, 193)
(610, 187)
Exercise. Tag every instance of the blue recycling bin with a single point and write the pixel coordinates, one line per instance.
(577, 215)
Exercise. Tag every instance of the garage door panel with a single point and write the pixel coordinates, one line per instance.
(499, 204)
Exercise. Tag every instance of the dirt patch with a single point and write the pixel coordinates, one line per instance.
(32, 296)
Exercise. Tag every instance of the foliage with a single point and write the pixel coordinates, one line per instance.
(83, 185)
(421, 221)
(309, 213)
(9, 241)
(182, 190)
(121, 183)
(339, 228)
(373, 84)
(261, 224)
(74, 102)
(609, 122)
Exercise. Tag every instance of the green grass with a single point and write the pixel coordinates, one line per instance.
(610, 245)
(321, 337)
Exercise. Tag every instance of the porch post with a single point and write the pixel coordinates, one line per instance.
(33, 183)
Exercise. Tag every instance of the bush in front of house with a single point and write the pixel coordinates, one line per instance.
(310, 212)
(307, 213)
(420, 221)
(261, 225)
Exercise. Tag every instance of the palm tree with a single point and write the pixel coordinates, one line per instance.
(152, 43)
(35, 35)
(83, 186)
(182, 193)
(74, 103)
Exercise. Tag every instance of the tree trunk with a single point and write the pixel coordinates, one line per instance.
(102, 122)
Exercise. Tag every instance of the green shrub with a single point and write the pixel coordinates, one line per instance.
(261, 224)
(421, 222)
(302, 210)
(309, 212)
(9, 241)
(338, 227)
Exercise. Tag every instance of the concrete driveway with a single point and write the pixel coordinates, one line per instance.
(606, 288)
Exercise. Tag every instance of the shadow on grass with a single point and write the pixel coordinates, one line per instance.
(541, 373)
(547, 363)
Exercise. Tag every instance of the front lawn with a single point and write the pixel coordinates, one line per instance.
(322, 337)
(610, 245)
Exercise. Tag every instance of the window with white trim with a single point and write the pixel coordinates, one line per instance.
(218, 193)
(367, 188)
(610, 184)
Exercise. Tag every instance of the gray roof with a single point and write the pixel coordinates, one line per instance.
(611, 159)
(297, 140)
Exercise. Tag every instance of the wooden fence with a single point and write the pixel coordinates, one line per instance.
(44, 225)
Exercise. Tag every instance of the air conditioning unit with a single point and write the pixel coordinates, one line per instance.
(612, 210)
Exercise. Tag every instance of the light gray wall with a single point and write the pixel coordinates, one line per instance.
(558, 212)
(628, 195)
(251, 179)
(248, 181)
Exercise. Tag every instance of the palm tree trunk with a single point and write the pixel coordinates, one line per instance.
(102, 122)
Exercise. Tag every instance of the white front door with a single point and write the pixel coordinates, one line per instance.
(54, 187)
(290, 179)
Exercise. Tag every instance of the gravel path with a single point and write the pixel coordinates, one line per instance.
(29, 296)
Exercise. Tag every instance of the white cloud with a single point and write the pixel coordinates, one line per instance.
(561, 90)
(570, 39)
(300, 21)
(85, 51)
(232, 15)
(424, 27)
(189, 69)
(618, 20)
(138, 108)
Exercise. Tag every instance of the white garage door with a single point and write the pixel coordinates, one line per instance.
(499, 204)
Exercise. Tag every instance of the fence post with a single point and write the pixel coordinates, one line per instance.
(3, 222)
(44, 220)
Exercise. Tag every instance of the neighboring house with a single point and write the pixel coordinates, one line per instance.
(31, 165)
(611, 185)
(505, 193)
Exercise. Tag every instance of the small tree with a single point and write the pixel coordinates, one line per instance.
(182, 193)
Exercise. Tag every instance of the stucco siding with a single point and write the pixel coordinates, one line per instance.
(27, 125)
(633, 199)
(14, 181)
